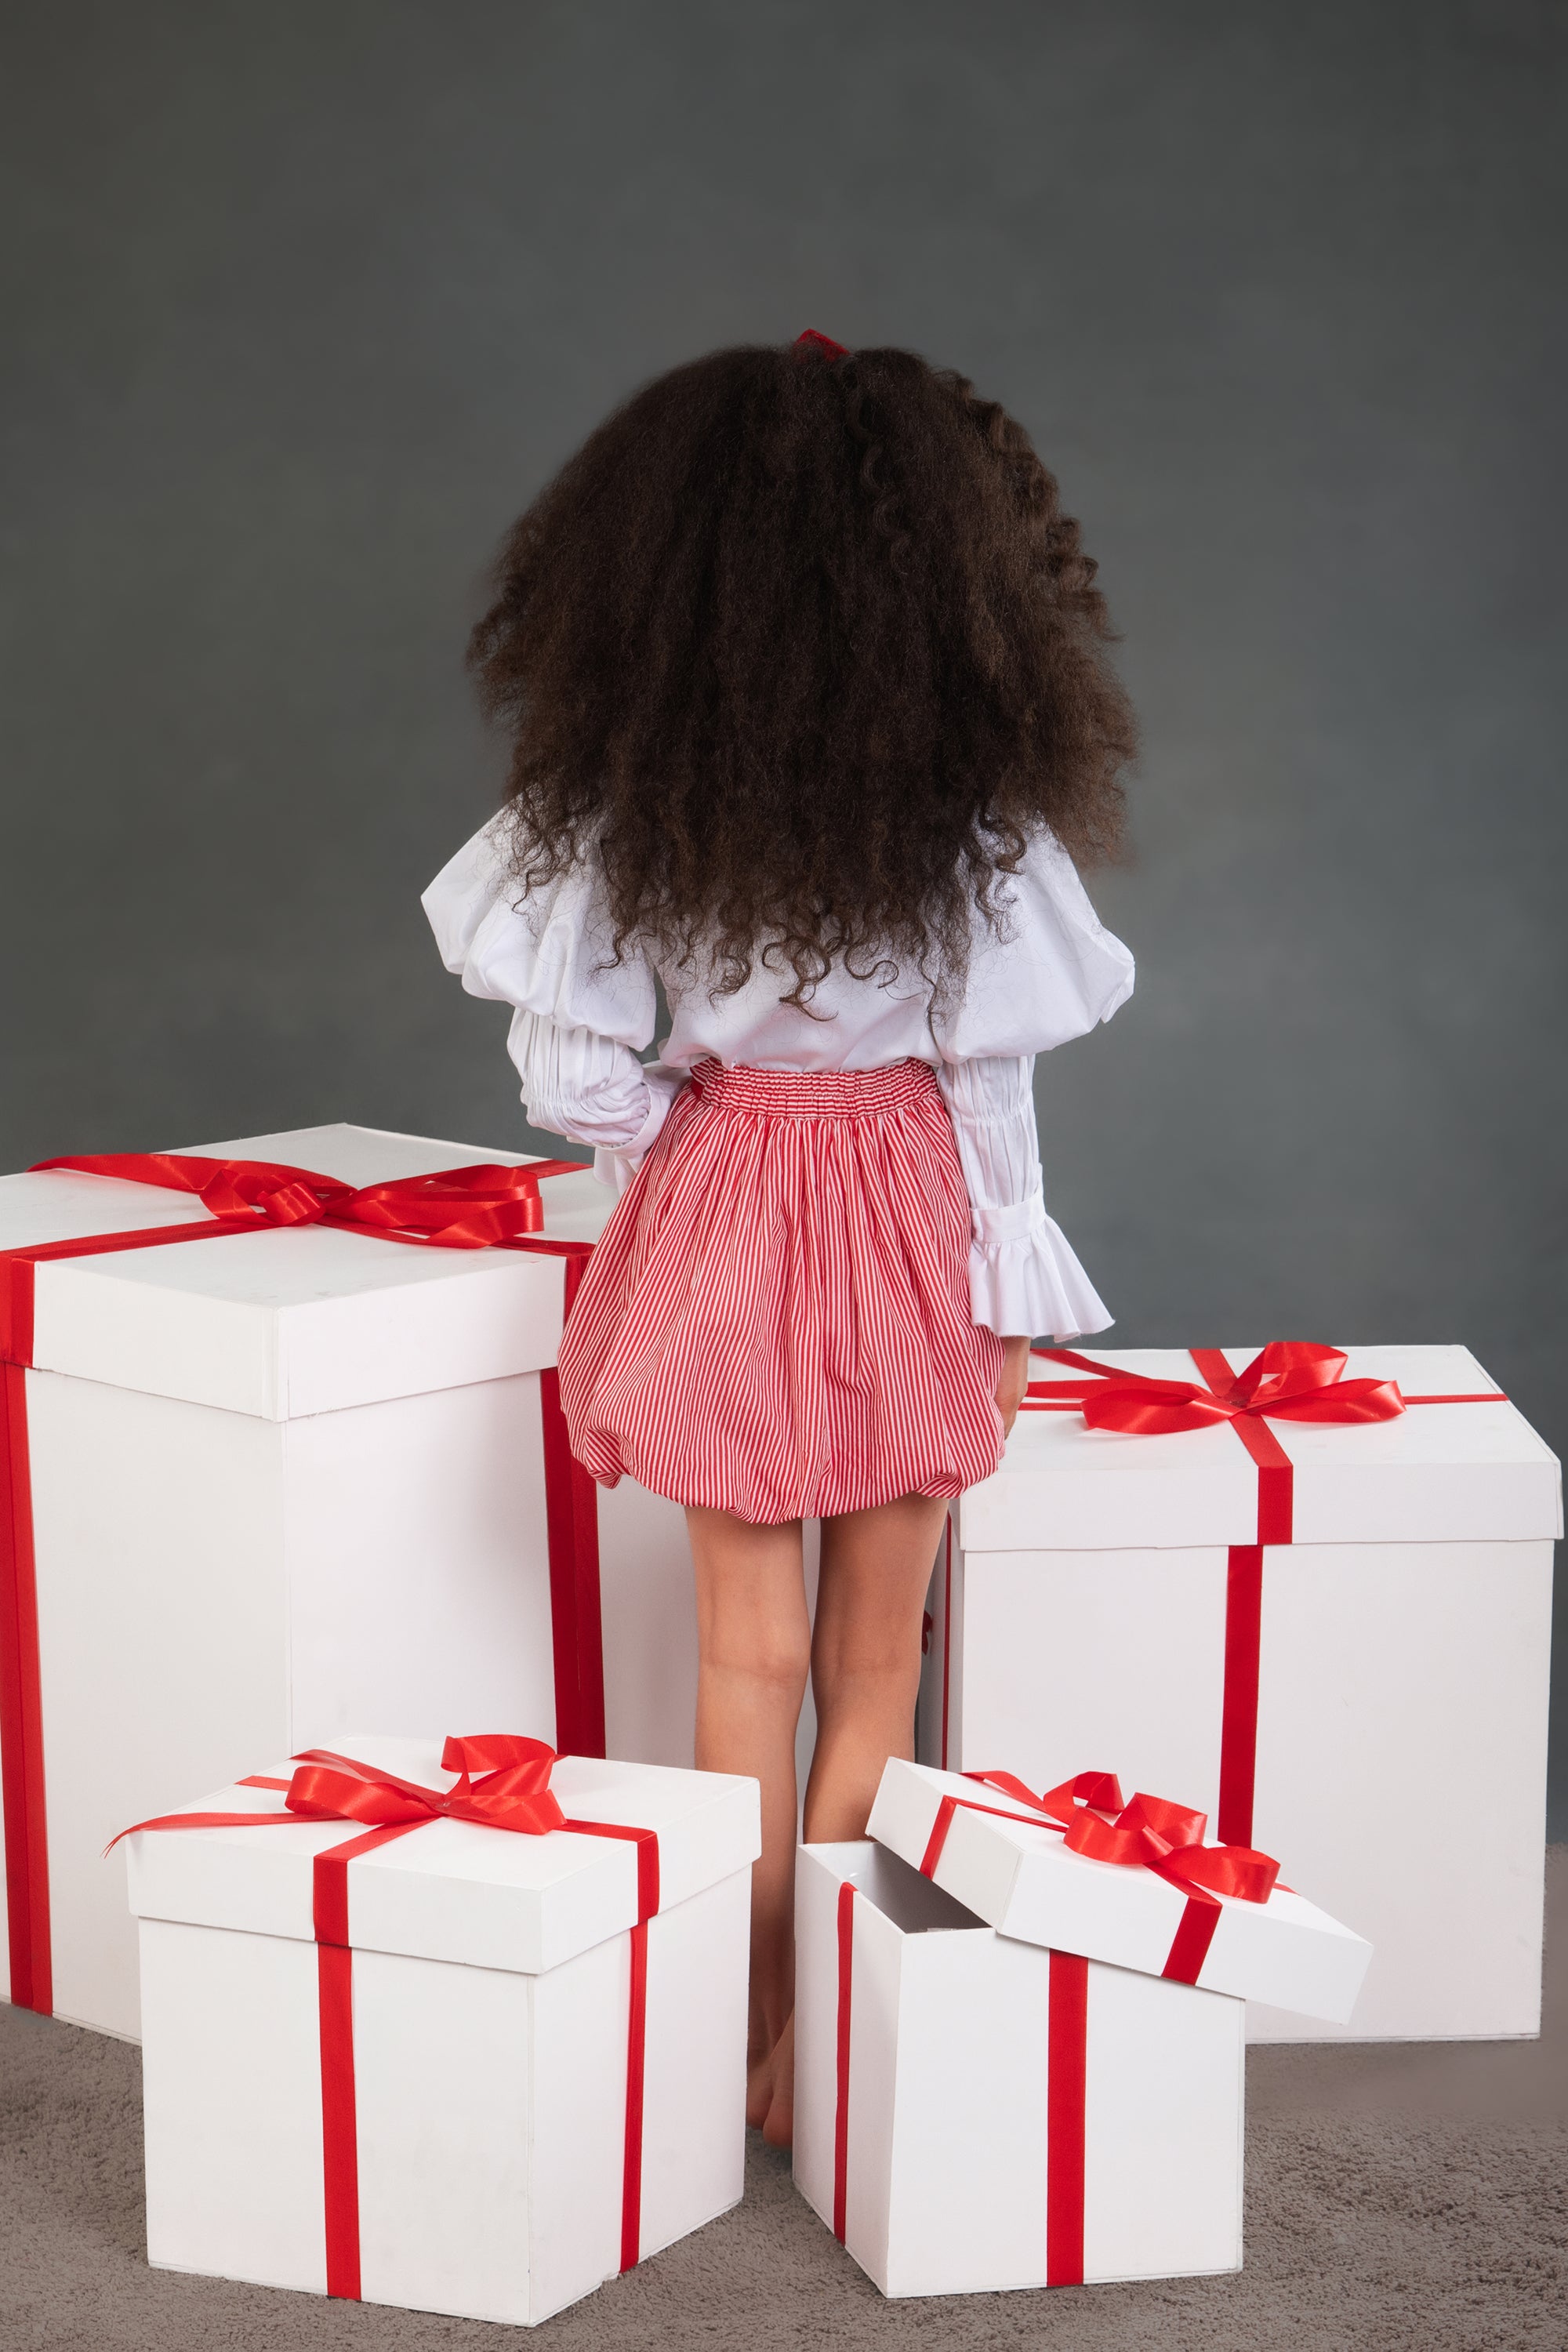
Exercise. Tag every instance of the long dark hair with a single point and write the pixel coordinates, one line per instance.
(803, 648)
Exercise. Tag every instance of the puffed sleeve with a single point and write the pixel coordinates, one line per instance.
(580, 1019)
(1050, 972)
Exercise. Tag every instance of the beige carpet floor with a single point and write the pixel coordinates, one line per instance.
(1397, 2197)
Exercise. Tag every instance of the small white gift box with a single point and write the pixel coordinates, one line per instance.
(1012, 1866)
(974, 2113)
(1330, 1636)
(446, 2065)
(259, 1483)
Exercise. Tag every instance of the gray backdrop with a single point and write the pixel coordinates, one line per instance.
(301, 302)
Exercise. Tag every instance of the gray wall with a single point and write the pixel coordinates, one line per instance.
(301, 302)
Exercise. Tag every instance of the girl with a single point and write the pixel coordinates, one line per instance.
(803, 668)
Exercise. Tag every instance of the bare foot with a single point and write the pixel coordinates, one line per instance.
(759, 2088)
(778, 2129)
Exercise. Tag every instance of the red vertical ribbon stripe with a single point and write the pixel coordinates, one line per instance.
(340, 2126)
(637, 2028)
(1244, 1610)
(637, 2048)
(481, 1207)
(841, 2056)
(572, 1525)
(21, 1711)
(1066, 2099)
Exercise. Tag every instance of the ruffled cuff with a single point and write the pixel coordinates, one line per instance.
(1024, 1277)
(620, 1169)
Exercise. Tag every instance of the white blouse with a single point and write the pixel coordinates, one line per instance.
(581, 1023)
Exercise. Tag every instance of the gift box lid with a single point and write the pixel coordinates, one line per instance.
(1435, 1473)
(289, 1319)
(455, 1890)
(1011, 1868)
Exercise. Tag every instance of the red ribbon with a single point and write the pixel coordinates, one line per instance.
(845, 1924)
(1149, 1833)
(491, 1203)
(484, 1206)
(1066, 2084)
(1291, 1380)
(513, 1793)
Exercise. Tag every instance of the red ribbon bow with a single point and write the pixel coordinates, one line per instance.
(824, 344)
(493, 1203)
(512, 1791)
(1148, 1833)
(1293, 1379)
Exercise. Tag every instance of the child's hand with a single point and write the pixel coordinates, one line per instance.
(1015, 1380)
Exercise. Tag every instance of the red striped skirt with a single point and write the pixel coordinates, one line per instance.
(777, 1322)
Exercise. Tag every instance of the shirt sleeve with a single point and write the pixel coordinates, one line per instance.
(1024, 1278)
(1046, 970)
(591, 1090)
(580, 1018)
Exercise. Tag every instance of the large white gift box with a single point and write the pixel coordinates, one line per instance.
(1330, 1635)
(264, 1483)
(973, 2112)
(446, 2065)
(1013, 1860)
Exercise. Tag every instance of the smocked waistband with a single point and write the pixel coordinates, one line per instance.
(817, 1094)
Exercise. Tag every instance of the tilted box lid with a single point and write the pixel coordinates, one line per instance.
(1013, 1870)
(1437, 1473)
(454, 1890)
(290, 1319)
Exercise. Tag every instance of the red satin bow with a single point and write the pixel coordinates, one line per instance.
(813, 342)
(1293, 1379)
(494, 1203)
(512, 1791)
(1148, 1833)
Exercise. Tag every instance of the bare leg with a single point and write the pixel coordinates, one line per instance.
(865, 1655)
(865, 1672)
(753, 1652)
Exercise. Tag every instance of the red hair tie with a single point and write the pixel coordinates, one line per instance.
(821, 343)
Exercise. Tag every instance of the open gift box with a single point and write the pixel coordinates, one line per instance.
(1311, 1628)
(1009, 2070)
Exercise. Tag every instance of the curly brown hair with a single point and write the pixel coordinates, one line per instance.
(804, 648)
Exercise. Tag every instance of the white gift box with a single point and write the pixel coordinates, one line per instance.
(1363, 1700)
(473, 2119)
(279, 1481)
(973, 2113)
(1012, 1869)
